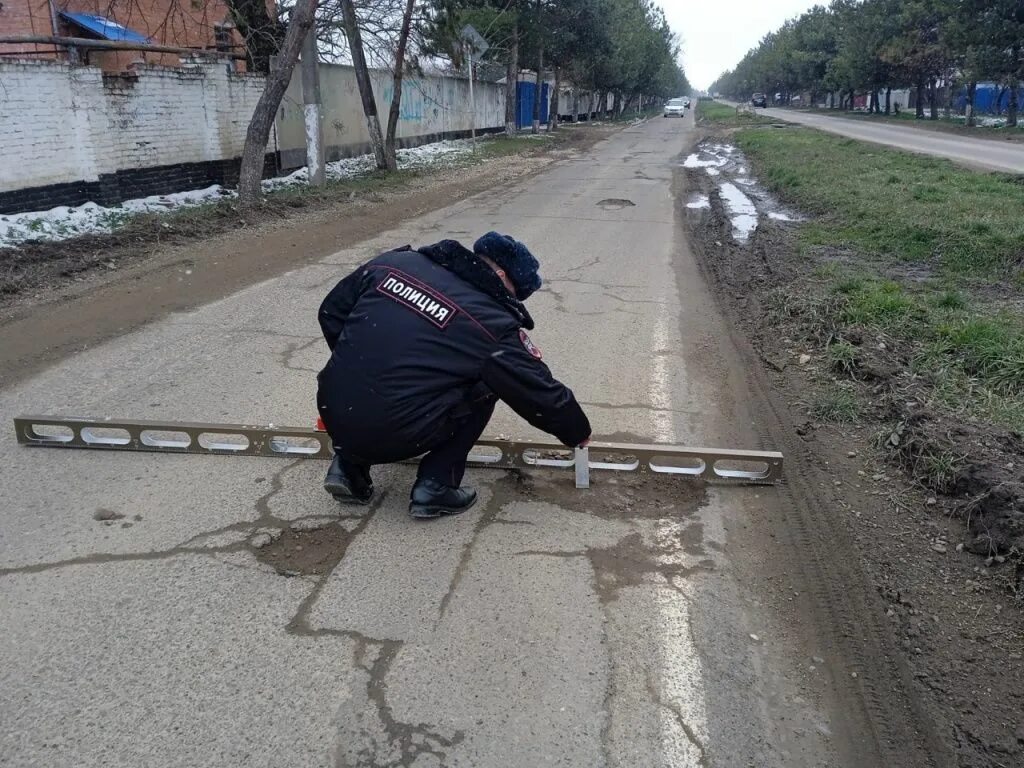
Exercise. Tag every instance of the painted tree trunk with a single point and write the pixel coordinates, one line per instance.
(256, 136)
(538, 92)
(888, 99)
(933, 101)
(972, 88)
(1011, 104)
(554, 105)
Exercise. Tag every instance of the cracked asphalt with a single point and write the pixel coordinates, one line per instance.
(634, 624)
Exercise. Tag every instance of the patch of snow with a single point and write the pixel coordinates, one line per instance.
(986, 122)
(695, 161)
(742, 211)
(712, 171)
(64, 222)
(780, 216)
(701, 201)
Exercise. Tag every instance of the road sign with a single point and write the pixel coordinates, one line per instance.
(474, 40)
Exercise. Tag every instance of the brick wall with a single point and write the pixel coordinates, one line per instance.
(166, 22)
(71, 134)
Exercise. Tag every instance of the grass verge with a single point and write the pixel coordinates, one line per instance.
(722, 115)
(917, 252)
(894, 204)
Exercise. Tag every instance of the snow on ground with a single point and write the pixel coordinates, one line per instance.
(64, 222)
(744, 199)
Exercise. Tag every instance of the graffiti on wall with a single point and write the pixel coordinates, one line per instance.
(411, 107)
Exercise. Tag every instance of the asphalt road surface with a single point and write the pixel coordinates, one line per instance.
(979, 153)
(634, 624)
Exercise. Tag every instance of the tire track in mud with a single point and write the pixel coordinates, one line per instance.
(888, 725)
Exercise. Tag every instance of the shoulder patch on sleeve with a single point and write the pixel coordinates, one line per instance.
(529, 345)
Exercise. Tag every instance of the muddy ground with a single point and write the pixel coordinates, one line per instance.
(942, 549)
(58, 298)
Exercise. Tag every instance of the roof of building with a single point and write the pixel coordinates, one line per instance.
(105, 28)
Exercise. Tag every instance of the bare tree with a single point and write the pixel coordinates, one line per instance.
(355, 46)
(396, 97)
(251, 173)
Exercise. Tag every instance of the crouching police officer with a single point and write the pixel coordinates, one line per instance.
(423, 344)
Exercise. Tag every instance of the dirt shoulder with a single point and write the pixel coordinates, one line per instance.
(75, 294)
(927, 495)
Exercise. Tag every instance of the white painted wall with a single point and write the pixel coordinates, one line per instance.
(431, 105)
(64, 124)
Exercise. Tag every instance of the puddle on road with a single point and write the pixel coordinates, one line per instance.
(746, 202)
(742, 211)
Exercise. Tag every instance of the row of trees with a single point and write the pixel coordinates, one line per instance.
(619, 47)
(875, 46)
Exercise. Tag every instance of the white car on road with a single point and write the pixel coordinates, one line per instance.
(677, 107)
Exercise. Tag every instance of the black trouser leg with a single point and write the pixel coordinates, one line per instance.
(356, 471)
(446, 461)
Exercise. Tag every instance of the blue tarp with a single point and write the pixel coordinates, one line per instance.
(985, 96)
(524, 111)
(105, 28)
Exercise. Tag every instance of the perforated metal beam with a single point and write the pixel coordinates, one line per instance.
(710, 464)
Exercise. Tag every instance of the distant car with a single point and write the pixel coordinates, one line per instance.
(676, 108)
(759, 100)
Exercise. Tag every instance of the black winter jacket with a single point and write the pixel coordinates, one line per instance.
(416, 335)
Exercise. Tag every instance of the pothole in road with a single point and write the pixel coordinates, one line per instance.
(615, 204)
(308, 552)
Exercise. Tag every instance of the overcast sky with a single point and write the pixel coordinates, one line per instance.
(716, 33)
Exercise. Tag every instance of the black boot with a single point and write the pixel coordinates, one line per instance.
(430, 498)
(348, 484)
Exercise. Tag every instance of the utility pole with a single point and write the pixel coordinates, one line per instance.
(472, 101)
(311, 110)
(472, 42)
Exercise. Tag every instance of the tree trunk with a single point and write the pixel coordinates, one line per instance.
(396, 98)
(919, 100)
(873, 102)
(512, 84)
(616, 103)
(575, 103)
(888, 99)
(251, 173)
(933, 101)
(554, 106)
(1011, 104)
(538, 93)
(539, 90)
(850, 105)
(355, 45)
(972, 88)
